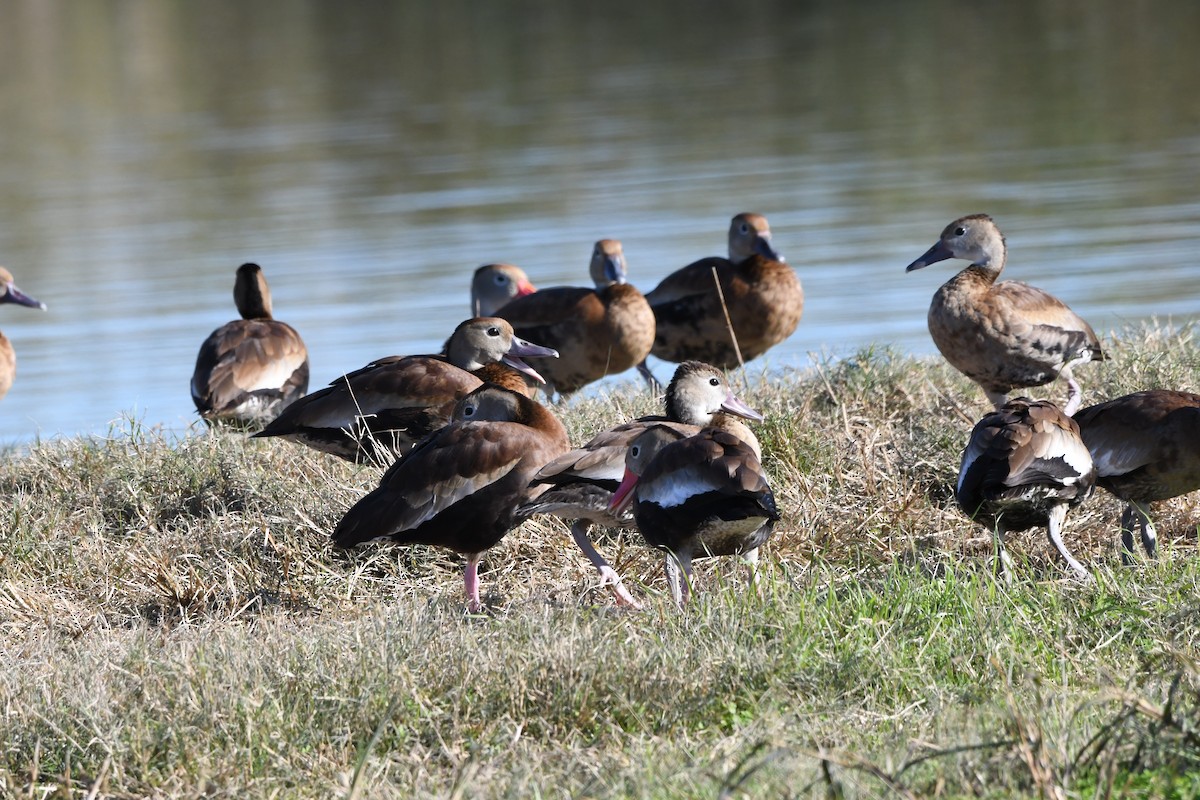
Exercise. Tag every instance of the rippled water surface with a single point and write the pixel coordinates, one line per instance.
(370, 156)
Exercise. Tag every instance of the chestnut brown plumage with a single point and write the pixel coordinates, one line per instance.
(381, 410)
(8, 357)
(460, 488)
(579, 484)
(1024, 466)
(250, 369)
(1004, 335)
(1146, 447)
(761, 293)
(597, 332)
(696, 496)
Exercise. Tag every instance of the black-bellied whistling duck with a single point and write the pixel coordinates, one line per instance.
(762, 296)
(1004, 335)
(8, 358)
(579, 484)
(696, 496)
(250, 369)
(380, 411)
(1146, 447)
(493, 285)
(460, 487)
(597, 332)
(1025, 465)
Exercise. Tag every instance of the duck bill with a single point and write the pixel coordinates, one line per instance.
(939, 252)
(15, 295)
(522, 349)
(732, 404)
(614, 270)
(623, 497)
(763, 246)
(524, 288)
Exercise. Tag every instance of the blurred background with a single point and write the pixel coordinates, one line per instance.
(370, 155)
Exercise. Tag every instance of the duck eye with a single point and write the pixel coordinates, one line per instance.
(635, 451)
(714, 381)
(959, 231)
(744, 228)
(501, 278)
(493, 331)
(468, 411)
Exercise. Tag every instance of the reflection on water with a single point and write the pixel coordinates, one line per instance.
(369, 157)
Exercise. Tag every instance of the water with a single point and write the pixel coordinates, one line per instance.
(371, 156)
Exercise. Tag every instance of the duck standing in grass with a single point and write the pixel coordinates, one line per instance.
(579, 484)
(597, 332)
(1146, 447)
(1004, 335)
(460, 488)
(380, 411)
(8, 358)
(1024, 466)
(696, 496)
(758, 291)
(494, 285)
(250, 369)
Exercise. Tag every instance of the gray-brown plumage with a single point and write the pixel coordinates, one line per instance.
(460, 487)
(580, 483)
(1004, 335)
(380, 411)
(762, 295)
(1146, 447)
(597, 332)
(1024, 466)
(696, 496)
(494, 285)
(8, 357)
(250, 369)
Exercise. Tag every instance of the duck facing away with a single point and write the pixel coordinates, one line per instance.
(579, 484)
(1024, 466)
(1145, 448)
(597, 332)
(696, 496)
(494, 285)
(1004, 335)
(761, 294)
(250, 369)
(461, 486)
(380, 411)
(8, 358)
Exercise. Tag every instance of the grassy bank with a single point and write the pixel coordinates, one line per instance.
(175, 624)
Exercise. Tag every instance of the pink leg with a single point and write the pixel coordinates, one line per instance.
(471, 582)
(608, 575)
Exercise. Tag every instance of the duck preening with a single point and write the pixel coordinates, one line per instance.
(1004, 335)
(753, 292)
(1024, 466)
(380, 411)
(696, 496)
(8, 357)
(1146, 447)
(597, 332)
(460, 488)
(578, 485)
(250, 369)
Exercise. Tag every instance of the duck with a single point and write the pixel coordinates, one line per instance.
(696, 496)
(579, 484)
(1144, 447)
(760, 298)
(8, 357)
(378, 412)
(250, 369)
(1003, 335)
(460, 488)
(1025, 465)
(597, 332)
(493, 285)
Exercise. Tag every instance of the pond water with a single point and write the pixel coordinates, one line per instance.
(370, 156)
